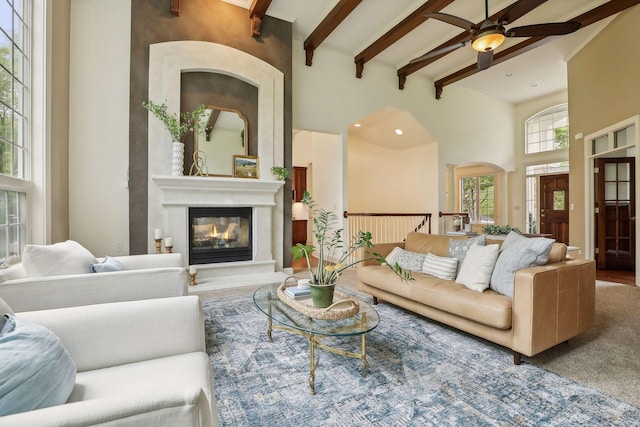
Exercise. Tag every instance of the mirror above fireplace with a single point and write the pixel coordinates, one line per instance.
(223, 134)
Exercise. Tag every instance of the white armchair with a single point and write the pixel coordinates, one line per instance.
(139, 363)
(144, 277)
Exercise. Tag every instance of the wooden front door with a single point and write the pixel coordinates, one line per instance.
(615, 213)
(554, 206)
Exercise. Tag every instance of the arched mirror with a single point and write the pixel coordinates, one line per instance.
(221, 135)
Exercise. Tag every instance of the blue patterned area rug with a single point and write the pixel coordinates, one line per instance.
(420, 374)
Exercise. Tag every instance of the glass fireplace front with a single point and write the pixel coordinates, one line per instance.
(219, 234)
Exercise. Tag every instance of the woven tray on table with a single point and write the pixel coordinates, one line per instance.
(343, 307)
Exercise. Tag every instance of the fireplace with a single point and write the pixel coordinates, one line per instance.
(220, 234)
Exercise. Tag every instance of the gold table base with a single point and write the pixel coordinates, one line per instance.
(314, 341)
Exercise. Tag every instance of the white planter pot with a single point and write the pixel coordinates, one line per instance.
(177, 159)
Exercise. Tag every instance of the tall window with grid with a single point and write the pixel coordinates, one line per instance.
(14, 108)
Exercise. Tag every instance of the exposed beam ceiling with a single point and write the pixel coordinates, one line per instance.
(328, 24)
(396, 33)
(391, 33)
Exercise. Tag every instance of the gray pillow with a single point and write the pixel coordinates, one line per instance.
(520, 252)
(109, 264)
(408, 260)
(4, 308)
(458, 248)
(540, 244)
(36, 370)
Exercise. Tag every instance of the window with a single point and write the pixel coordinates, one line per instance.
(478, 198)
(14, 108)
(548, 130)
(12, 224)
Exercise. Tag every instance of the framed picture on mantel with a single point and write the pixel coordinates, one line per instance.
(245, 166)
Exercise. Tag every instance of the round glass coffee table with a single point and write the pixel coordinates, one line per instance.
(289, 319)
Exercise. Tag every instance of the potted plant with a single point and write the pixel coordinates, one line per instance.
(499, 230)
(280, 172)
(178, 126)
(323, 279)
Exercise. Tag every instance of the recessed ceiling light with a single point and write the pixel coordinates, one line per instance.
(509, 74)
(534, 84)
(399, 132)
(357, 125)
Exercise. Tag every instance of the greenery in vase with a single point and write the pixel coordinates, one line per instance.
(177, 125)
(280, 172)
(496, 230)
(331, 245)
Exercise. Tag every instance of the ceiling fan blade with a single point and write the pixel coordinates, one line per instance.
(518, 10)
(438, 52)
(453, 20)
(543, 30)
(485, 59)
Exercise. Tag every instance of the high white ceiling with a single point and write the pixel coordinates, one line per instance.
(544, 67)
(536, 73)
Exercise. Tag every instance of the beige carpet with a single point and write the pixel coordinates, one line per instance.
(607, 357)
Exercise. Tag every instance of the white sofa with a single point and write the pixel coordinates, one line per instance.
(144, 277)
(139, 363)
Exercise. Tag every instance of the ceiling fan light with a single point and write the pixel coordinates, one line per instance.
(487, 42)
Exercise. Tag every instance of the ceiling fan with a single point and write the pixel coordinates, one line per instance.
(487, 36)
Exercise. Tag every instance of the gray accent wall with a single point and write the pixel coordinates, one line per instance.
(202, 20)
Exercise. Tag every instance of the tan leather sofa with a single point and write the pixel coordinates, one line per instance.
(550, 305)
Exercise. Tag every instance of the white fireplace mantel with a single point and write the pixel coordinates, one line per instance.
(212, 191)
(178, 194)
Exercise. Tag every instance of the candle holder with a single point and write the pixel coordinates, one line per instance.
(192, 281)
(158, 246)
(169, 249)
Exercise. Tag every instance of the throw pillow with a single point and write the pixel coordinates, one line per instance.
(408, 260)
(4, 308)
(477, 266)
(109, 264)
(60, 258)
(440, 267)
(541, 245)
(520, 252)
(458, 247)
(36, 370)
(391, 258)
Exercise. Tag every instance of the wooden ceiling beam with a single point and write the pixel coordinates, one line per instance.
(328, 24)
(403, 28)
(257, 10)
(174, 7)
(594, 15)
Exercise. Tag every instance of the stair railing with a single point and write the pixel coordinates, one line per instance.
(387, 227)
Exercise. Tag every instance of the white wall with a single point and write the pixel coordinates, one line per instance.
(392, 180)
(469, 127)
(322, 152)
(99, 125)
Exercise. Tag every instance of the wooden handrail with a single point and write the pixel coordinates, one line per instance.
(462, 214)
(348, 214)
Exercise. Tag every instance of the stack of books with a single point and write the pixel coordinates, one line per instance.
(297, 293)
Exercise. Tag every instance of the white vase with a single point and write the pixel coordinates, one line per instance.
(177, 159)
